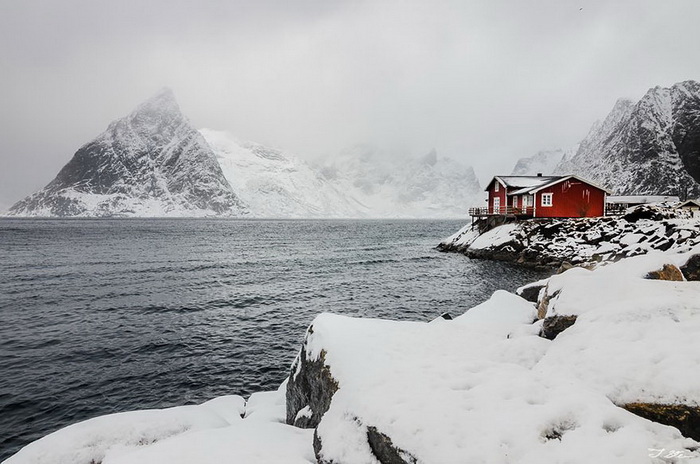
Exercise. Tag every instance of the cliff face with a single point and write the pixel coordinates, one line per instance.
(150, 163)
(648, 147)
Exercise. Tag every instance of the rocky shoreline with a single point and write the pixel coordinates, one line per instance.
(551, 243)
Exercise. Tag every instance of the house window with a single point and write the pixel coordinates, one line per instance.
(515, 202)
(529, 200)
(496, 205)
(496, 187)
(546, 199)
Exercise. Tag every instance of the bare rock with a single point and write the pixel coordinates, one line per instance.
(311, 385)
(685, 418)
(691, 269)
(554, 325)
(385, 451)
(530, 292)
(668, 272)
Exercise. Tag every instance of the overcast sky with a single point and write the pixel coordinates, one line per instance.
(482, 81)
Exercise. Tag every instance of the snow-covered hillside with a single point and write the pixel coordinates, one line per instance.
(391, 186)
(357, 184)
(277, 184)
(648, 147)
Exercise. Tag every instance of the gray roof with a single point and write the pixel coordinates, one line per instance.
(518, 182)
(532, 184)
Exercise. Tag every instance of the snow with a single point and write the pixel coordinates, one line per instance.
(495, 237)
(634, 339)
(212, 432)
(470, 390)
(274, 183)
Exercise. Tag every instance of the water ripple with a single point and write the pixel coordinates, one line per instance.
(101, 316)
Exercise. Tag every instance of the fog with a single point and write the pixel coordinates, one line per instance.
(485, 82)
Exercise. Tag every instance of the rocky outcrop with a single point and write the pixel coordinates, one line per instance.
(691, 269)
(585, 242)
(554, 325)
(683, 417)
(385, 451)
(310, 389)
(667, 272)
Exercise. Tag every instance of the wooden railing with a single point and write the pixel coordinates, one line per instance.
(502, 211)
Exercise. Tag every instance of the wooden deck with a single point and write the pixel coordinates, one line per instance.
(507, 211)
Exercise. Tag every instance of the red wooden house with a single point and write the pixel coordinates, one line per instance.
(543, 197)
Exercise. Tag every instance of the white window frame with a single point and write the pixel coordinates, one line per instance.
(547, 200)
(515, 201)
(496, 205)
(497, 187)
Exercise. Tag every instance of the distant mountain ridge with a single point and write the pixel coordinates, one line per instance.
(153, 163)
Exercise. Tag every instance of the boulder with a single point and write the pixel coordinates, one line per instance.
(691, 269)
(310, 389)
(554, 325)
(683, 417)
(667, 272)
(531, 292)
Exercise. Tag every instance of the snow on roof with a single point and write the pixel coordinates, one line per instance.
(641, 199)
(522, 181)
(533, 184)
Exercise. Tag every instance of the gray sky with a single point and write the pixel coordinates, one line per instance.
(483, 81)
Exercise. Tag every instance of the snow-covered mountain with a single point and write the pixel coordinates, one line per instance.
(277, 184)
(545, 162)
(648, 147)
(149, 163)
(360, 183)
(430, 186)
(153, 163)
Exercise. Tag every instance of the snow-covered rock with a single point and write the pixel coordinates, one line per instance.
(92, 440)
(225, 429)
(584, 241)
(481, 388)
(149, 163)
(648, 147)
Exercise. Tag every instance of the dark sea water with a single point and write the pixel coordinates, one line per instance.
(102, 316)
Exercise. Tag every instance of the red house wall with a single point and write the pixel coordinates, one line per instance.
(500, 194)
(571, 198)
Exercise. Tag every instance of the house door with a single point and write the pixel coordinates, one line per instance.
(497, 205)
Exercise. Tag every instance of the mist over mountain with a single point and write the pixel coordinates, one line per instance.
(152, 163)
(545, 162)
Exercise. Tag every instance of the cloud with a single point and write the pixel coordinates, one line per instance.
(483, 81)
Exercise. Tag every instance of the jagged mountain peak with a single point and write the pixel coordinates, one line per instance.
(148, 163)
(648, 147)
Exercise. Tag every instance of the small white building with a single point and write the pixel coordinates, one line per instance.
(617, 204)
